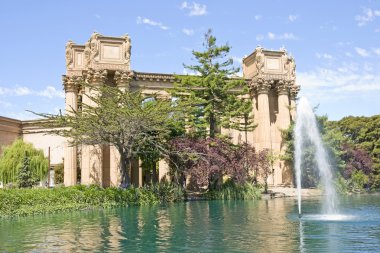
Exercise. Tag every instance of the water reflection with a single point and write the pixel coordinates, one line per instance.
(217, 226)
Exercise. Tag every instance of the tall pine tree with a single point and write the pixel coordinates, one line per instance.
(214, 96)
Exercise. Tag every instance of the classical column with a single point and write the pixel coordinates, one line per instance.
(70, 152)
(136, 172)
(122, 80)
(283, 105)
(294, 89)
(115, 175)
(283, 122)
(264, 135)
(163, 171)
(92, 154)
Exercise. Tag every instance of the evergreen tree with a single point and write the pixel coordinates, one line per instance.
(213, 97)
(25, 176)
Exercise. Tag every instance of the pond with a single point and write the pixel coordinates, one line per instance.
(201, 226)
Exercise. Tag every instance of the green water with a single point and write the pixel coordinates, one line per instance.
(202, 226)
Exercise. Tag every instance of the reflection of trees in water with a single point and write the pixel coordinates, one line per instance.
(245, 226)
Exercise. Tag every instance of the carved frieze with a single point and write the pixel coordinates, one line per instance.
(153, 77)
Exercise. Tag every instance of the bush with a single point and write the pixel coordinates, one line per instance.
(230, 190)
(168, 192)
(359, 180)
(58, 174)
(19, 202)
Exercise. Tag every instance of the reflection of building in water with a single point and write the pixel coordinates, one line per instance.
(104, 60)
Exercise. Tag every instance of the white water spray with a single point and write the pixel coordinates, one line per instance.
(306, 130)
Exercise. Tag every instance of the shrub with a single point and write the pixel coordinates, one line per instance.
(18, 202)
(230, 190)
(359, 180)
(58, 174)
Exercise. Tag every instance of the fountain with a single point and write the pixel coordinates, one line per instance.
(306, 130)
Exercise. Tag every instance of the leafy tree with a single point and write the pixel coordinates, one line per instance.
(120, 118)
(206, 161)
(342, 141)
(264, 167)
(211, 97)
(13, 160)
(363, 132)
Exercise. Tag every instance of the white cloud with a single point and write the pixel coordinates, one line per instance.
(188, 32)
(258, 17)
(285, 36)
(147, 21)
(368, 16)
(331, 84)
(49, 92)
(271, 36)
(377, 51)
(97, 16)
(292, 18)
(237, 59)
(324, 56)
(22, 91)
(361, 51)
(195, 9)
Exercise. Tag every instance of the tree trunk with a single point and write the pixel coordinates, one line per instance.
(154, 175)
(212, 126)
(125, 164)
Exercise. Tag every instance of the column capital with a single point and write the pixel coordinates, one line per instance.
(71, 83)
(96, 76)
(123, 78)
(262, 86)
(282, 87)
(294, 89)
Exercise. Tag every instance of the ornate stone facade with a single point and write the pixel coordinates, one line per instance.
(106, 61)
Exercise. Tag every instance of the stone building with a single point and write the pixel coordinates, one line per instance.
(106, 61)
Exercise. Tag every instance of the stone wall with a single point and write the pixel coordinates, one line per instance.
(41, 139)
(10, 130)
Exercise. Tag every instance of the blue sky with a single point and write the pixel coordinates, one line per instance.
(336, 44)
